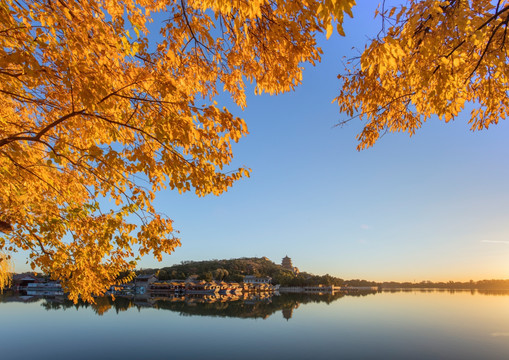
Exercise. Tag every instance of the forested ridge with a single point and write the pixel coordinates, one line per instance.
(234, 270)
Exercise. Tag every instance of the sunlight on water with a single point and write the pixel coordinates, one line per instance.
(397, 325)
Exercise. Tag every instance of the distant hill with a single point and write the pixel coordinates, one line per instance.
(234, 270)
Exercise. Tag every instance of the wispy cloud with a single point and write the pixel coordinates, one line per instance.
(496, 334)
(495, 241)
(364, 227)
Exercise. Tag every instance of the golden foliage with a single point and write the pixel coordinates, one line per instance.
(434, 57)
(93, 107)
(5, 272)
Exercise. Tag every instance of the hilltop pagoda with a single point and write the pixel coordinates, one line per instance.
(286, 263)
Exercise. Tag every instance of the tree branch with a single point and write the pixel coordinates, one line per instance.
(5, 227)
(43, 131)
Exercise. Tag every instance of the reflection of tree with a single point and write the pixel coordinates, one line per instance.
(122, 304)
(51, 305)
(493, 292)
(208, 306)
(102, 305)
(255, 307)
(262, 308)
(5, 295)
(467, 285)
(451, 291)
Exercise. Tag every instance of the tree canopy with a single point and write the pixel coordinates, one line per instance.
(431, 58)
(98, 102)
(93, 107)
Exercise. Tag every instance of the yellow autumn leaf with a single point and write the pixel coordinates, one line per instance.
(85, 113)
(329, 30)
(437, 56)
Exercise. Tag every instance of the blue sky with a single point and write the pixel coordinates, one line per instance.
(430, 207)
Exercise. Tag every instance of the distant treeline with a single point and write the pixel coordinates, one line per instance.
(234, 270)
(467, 285)
(479, 285)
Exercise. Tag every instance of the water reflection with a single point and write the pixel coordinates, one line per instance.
(248, 306)
(396, 324)
(450, 291)
(251, 305)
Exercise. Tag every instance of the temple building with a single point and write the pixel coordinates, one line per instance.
(287, 264)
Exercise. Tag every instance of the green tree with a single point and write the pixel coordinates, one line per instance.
(220, 274)
(163, 275)
(207, 276)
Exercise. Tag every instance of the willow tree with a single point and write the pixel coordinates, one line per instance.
(431, 58)
(5, 272)
(94, 106)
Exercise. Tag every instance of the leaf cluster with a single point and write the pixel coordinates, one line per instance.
(432, 58)
(96, 106)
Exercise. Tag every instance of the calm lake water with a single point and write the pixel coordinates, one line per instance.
(381, 325)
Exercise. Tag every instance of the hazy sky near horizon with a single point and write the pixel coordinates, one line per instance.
(431, 207)
(434, 206)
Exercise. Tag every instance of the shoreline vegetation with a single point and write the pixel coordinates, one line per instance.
(234, 271)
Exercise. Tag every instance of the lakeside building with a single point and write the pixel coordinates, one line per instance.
(251, 279)
(21, 281)
(194, 287)
(257, 284)
(142, 282)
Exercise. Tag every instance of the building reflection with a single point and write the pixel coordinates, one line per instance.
(288, 312)
(246, 305)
